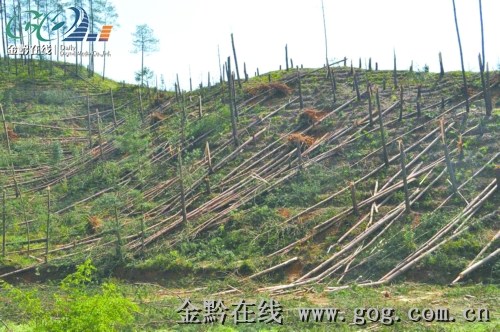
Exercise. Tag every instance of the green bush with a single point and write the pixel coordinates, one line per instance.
(77, 306)
(171, 261)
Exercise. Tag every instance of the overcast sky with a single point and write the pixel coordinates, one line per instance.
(191, 30)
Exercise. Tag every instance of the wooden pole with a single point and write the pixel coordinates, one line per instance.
(402, 157)
(465, 87)
(113, 107)
(382, 135)
(245, 71)
(355, 210)
(236, 61)
(4, 220)
(47, 229)
(181, 182)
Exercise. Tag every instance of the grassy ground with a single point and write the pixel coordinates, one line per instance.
(159, 306)
(139, 170)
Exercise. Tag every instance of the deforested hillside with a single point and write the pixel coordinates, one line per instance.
(300, 179)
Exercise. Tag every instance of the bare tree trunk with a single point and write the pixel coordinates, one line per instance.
(113, 107)
(47, 229)
(181, 182)
(395, 73)
(382, 134)
(482, 31)
(221, 72)
(104, 62)
(449, 164)
(441, 67)
(465, 87)
(232, 112)
(4, 220)
(18, 193)
(403, 174)
(236, 61)
(300, 90)
(286, 56)
(324, 29)
(352, 185)
(89, 123)
(4, 47)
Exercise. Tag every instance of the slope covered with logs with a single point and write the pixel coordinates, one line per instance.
(328, 175)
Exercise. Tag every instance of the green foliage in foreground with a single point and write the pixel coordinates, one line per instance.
(76, 306)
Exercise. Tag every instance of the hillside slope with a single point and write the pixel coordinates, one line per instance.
(305, 181)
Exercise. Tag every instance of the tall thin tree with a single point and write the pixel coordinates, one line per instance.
(4, 48)
(482, 32)
(144, 42)
(466, 92)
(324, 28)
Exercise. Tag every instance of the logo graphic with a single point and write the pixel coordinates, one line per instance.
(78, 32)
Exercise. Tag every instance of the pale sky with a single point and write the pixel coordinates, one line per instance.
(190, 31)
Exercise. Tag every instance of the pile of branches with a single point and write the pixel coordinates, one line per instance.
(272, 89)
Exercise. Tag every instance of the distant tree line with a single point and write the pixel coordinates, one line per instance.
(23, 22)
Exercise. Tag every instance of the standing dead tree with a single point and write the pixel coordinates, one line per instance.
(324, 28)
(466, 90)
(395, 72)
(382, 134)
(236, 61)
(230, 85)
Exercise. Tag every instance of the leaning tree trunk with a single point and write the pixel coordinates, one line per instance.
(466, 93)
